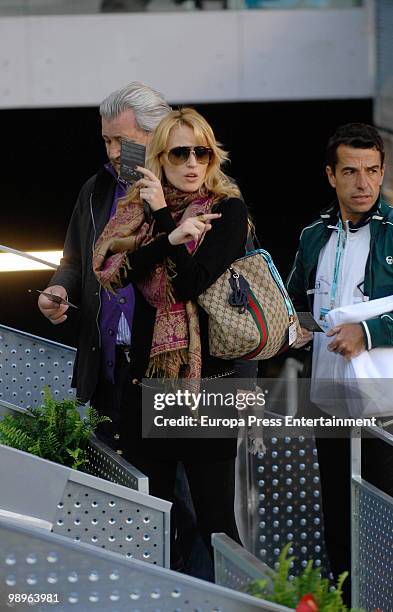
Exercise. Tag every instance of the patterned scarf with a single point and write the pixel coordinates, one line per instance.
(176, 345)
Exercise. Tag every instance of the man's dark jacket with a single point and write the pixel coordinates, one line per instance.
(75, 273)
(378, 275)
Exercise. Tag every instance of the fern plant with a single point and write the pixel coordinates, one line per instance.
(54, 431)
(290, 593)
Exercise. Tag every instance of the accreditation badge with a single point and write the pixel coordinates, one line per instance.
(292, 334)
(322, 318)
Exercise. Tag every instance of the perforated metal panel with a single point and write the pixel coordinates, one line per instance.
(28, 363)
(371, 531)
(285, 502)
(374, 547)
(383, 101)
(234, 567)
(228, 574)
(105, 463)
(85, 508)
(84, 578)
(376, 550)
(132, 528)
(384, 40)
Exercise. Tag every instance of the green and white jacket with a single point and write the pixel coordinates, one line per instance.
(378, 276)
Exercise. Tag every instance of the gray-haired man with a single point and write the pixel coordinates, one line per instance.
(103, 366)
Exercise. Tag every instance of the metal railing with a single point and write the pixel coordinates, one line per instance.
(29, 363)
(371, 532)
(83, 507)
(278, 488)
(236, 568)
(67, 7)
(83, 578)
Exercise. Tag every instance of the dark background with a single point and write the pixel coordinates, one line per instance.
(277, 153)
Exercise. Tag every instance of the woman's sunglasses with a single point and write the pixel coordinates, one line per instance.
(180, 155)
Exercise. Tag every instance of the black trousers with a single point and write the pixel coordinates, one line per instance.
(209, 464)
(112, 400)
(212, 487)
(335, 471)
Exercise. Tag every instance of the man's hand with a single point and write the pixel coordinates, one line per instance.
(118, 245)
(348, 341)
(52, 310)
(124, 242)
(302, 340)
(127, 242)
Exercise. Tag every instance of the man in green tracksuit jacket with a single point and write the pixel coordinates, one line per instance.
(346, 257)
(378, 273)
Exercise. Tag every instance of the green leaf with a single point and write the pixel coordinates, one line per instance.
(287, 593)
(54, 431)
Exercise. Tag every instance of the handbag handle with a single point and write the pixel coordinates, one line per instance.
(252, 238)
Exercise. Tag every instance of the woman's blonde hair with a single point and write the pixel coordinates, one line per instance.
(215, 180)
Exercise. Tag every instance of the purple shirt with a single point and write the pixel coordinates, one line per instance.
(113, 305)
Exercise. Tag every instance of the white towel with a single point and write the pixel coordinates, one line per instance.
(371, 372)
(360, 311)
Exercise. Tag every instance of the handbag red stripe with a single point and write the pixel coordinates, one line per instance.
(256, 311)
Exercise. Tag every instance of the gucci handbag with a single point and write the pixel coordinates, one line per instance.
(250, 313)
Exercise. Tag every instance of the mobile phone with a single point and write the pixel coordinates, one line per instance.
(307, 321)
(132, 154)
(56, 298)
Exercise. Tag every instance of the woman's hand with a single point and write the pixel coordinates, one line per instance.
(151, 189)
(305, 337)
(192, 229)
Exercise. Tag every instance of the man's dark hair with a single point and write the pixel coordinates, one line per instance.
(357, 135)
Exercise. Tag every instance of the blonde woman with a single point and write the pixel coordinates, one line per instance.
(199, 228)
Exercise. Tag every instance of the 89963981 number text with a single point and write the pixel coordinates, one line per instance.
(32, 598)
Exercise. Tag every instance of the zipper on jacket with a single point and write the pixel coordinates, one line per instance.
(370, 265)
(99, 287)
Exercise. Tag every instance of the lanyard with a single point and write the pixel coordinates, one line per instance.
(341, 239)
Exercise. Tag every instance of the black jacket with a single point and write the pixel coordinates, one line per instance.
(224, 243)
(75, 273)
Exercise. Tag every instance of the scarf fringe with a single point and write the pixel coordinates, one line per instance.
(116, 279)
(168, 364)
(170, 273)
